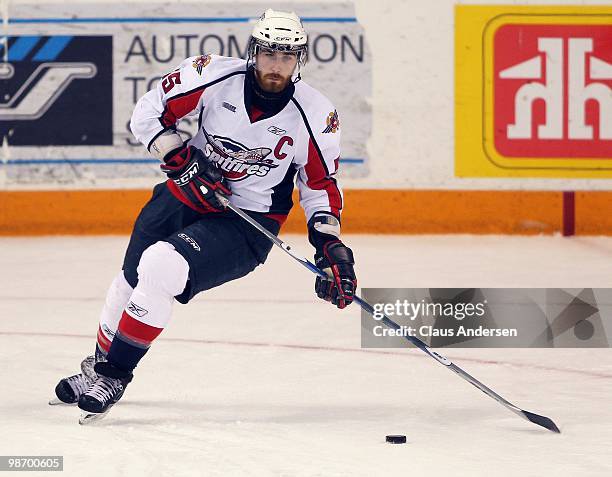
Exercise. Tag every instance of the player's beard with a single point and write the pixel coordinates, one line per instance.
(272, 82)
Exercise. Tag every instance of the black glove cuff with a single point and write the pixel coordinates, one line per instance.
(317, 238)
(169, 158)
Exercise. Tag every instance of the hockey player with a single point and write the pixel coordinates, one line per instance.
(260, 131)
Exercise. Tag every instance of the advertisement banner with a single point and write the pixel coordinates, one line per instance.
(71, 74)
(533, 91)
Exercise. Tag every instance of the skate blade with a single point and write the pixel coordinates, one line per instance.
(91, 417)
(56, 402)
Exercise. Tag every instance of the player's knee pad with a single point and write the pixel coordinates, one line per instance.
(117, 297)
(163, 270)
(120, 290)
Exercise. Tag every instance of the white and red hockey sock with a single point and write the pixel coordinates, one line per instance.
(162, 274)
(116, 300)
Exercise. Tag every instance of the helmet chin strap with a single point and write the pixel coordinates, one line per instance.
(298, 77)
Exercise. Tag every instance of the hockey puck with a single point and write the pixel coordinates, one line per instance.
(396, 439)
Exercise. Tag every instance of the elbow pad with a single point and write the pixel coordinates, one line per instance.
(166, 145)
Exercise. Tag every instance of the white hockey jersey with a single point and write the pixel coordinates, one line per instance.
(265, 156)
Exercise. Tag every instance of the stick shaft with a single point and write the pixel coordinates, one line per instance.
(540, 420)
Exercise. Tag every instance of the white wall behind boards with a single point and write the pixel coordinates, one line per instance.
(410, 91)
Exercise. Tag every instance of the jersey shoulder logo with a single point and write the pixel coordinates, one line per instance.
(333, 122)
(201, 62)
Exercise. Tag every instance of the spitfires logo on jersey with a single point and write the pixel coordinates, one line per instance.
(56, 90)
(236, 160)
(201, 62)
(333, 122)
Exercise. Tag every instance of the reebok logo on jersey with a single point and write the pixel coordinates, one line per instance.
(190, 241)
(276, 130)
(231, 107)
(333, 122)
(136, 310)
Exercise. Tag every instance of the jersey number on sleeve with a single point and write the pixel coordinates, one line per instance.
(170, 81)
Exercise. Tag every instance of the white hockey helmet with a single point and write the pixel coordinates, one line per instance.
(280, 31)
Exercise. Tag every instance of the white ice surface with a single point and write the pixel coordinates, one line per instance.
(259, 378)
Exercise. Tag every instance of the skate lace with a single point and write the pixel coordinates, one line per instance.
(104, 388)
(87, 368)
(79, 383)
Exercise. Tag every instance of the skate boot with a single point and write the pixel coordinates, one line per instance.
(104, 392)
(70, 389)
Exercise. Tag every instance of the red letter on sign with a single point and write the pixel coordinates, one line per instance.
(170, 81)
(277, 150)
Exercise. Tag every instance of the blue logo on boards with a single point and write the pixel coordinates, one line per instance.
(56, 90)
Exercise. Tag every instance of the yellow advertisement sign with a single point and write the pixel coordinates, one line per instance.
(533, 91)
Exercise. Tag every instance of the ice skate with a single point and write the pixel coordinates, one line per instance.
(70, 389)
(103, 393)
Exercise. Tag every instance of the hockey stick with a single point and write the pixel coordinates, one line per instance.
(530, 416)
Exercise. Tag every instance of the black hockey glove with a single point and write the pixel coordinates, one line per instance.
(197, 178)
(336, 260)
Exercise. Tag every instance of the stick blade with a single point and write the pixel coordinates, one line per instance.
(542, 421)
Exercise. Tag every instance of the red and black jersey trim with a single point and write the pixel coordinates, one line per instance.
(312, 138)
(200, 118)
(183, 103)
(282, 201)
(324, 181)
(179, 106)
